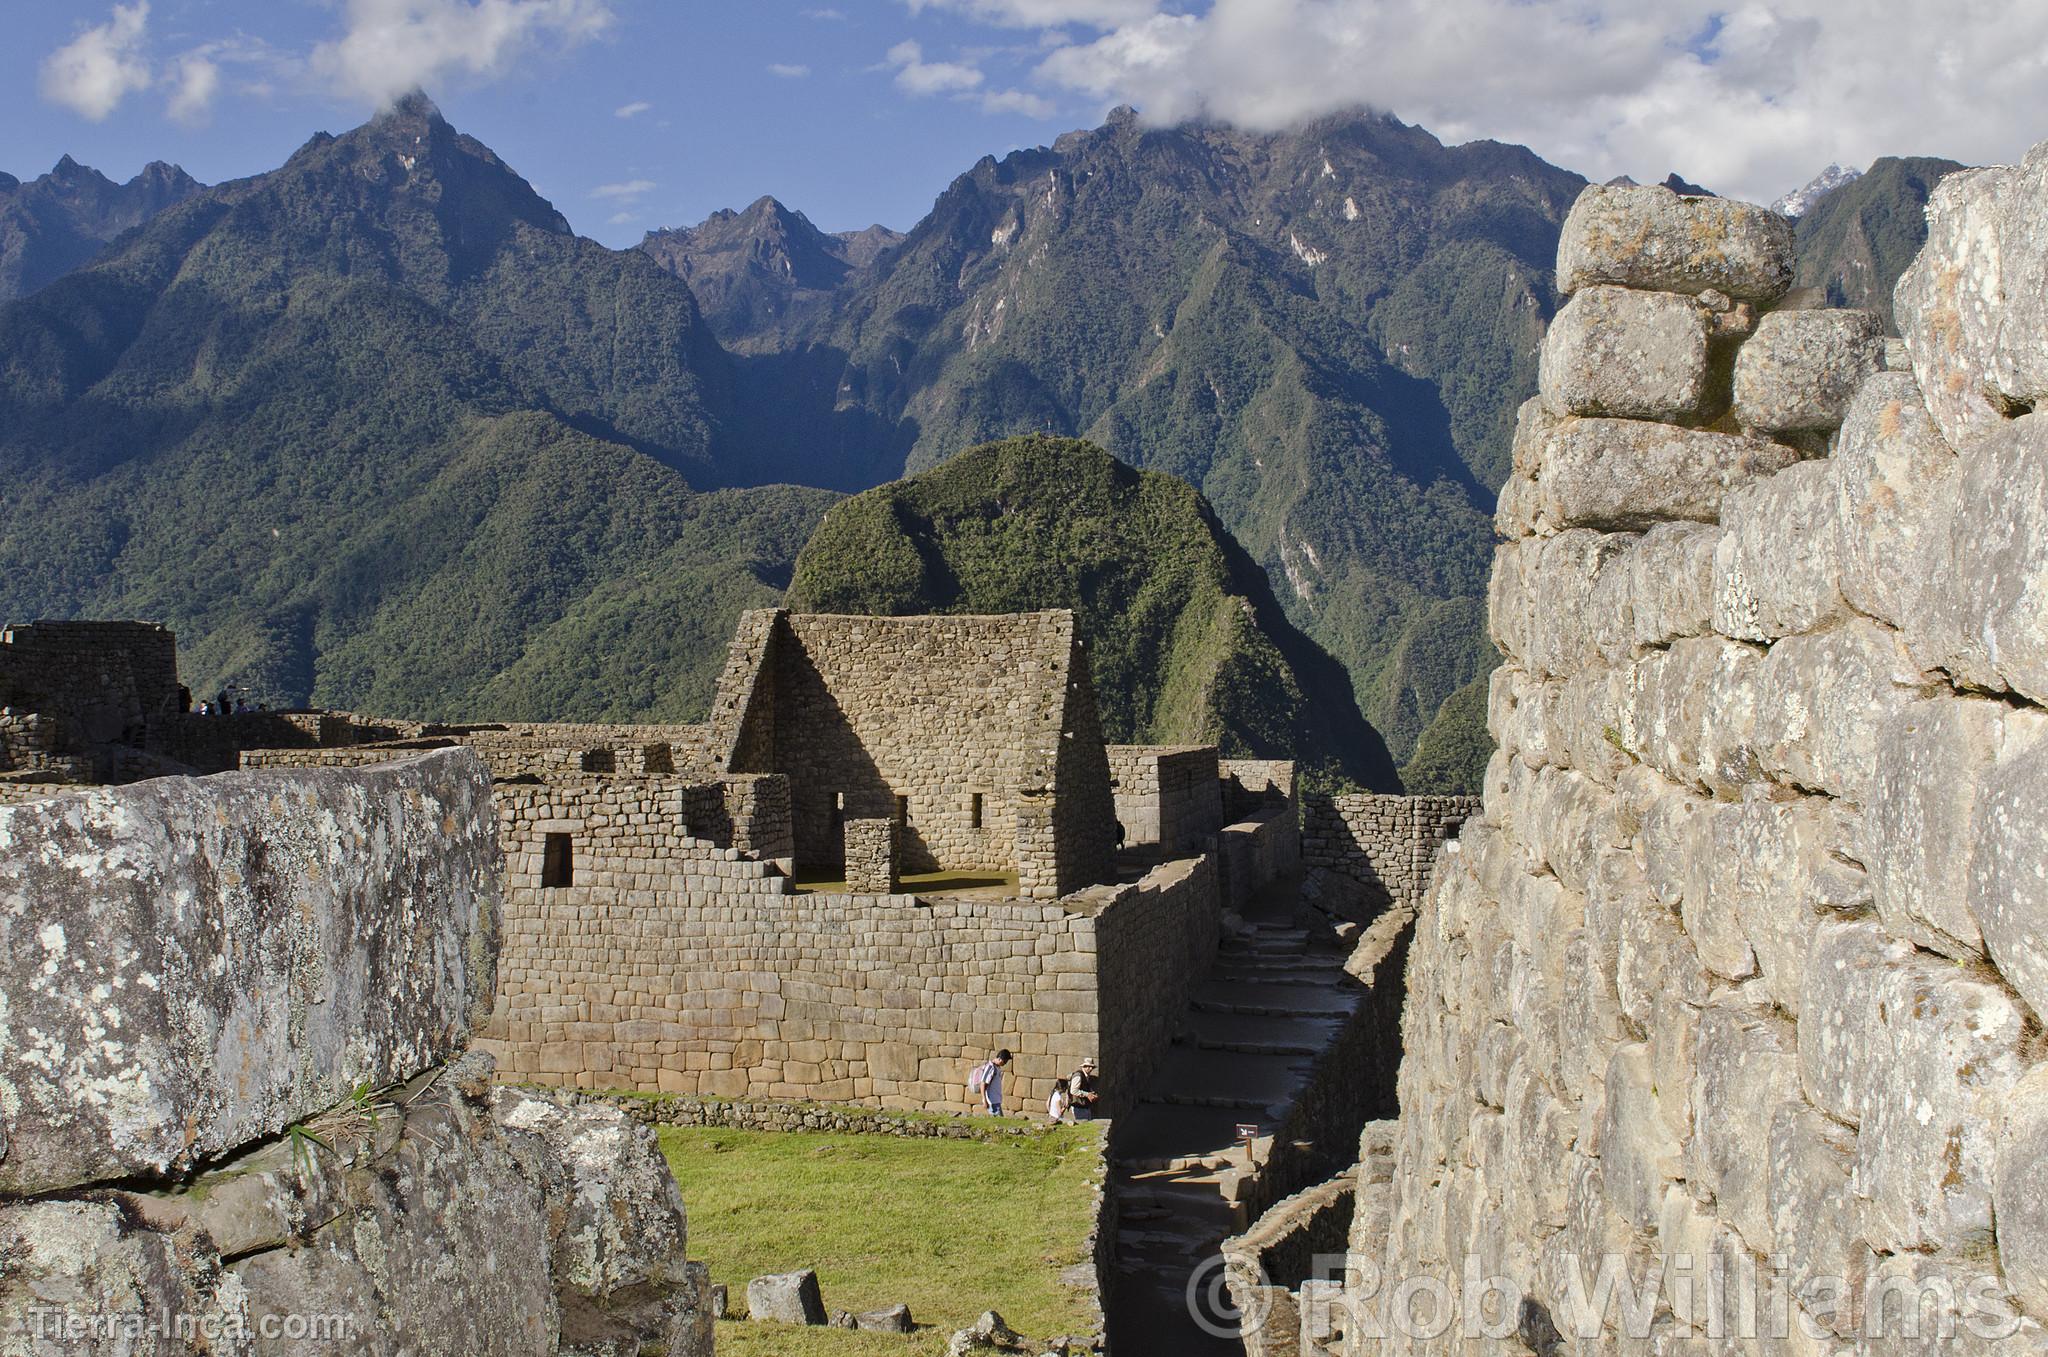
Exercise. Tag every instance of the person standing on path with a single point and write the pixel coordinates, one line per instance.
(987, 1081)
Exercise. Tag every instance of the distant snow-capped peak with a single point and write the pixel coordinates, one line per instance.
(1801, 201)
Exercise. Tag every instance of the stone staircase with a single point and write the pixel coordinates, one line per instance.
(1274, 1001)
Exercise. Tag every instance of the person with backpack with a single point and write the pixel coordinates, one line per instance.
(1081, 1090)
(986, 1083)
(1056, 1106)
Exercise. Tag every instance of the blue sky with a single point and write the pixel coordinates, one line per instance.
(832, 133)
(630, 114)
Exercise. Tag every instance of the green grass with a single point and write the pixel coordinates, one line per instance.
(948, 1227)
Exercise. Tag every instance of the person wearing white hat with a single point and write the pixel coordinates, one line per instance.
(1081, 1090)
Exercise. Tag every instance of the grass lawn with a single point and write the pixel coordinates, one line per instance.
(948, 1227)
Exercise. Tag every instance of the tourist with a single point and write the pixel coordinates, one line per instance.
(986, 1082)
(1081, 1090)
(1056, 1106)
(221, 705)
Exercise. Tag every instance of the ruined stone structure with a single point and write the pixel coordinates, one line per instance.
(1166, 795)
(1735, 989)
(70, 692)
(236, 1111)
(1384, 845)
(655, 937)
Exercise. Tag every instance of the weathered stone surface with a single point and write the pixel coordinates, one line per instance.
(2021, 1195)
(1639, 1157)
(1692, 712)
(1895, 485)
(1823, 698)
(1838, 1032)
(1816, 1225)
(201, 963)
(2007, 890)
(1947, 1052)
(619, 1210)
(1777, 566)
(1655, 239)
(1799, 370)
(1971, 306)
(1622, 475)
(78, 1274)
(1932, 760)
(786, 1298)
(1637, 355)
(1747, 1063)
(894, 1319)
(1998, 590)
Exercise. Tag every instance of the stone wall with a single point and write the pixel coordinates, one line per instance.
(1166, 795)
(871, 857)
(1252, 853)
(666, 963)
(977, 734)
(235, 1115)
(1387, 844)
(1737, 983)
(68, 690)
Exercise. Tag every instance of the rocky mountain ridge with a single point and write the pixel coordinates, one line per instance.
(60, 221)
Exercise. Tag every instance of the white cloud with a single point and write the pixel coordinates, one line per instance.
(632, 110)
(626, 191)
(788, 71)
(96, 70)
(1745, 96)
(1046, 13)
(194, 81)
(1018, 101)
(391, 46)
(621, 218)
(826, 15)
(915, 75)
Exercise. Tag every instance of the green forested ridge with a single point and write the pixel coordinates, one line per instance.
(59, 221)
(1857, 240)
(1184, 637)
(376, 430)
(1327, 331)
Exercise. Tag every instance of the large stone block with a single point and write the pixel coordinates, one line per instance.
(1777, 566)
(1932, 760)
(1746, 1063)
(201, 963)
(1973, 307)
(1796, 374)
(2022, 1191)
(1895, 485)
(1692, 712)
(2007, 890)
(1637, 355)
(1948, 1051)
(1998, 546)
(79, 1274)
(1839, 1037)
(1625, 475)
(1823, 698)
(1653, 238)
(1816, 1223)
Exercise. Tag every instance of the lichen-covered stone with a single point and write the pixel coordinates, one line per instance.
(1895, 485)
(1998, 584)
(1777, 566)
(78, 1277)
(2021, 1195)
(1973, 307)
(2007, 871)
(1637, 355)
(1624, 475)
(200, 963)
(1822, 699)
(1838, 1035)
(1799, 370)
(1652, 238)
(1932, 761)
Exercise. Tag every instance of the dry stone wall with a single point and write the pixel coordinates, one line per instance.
(1733, 994)
(1386, 844)
(663, 962)
(1168, 795)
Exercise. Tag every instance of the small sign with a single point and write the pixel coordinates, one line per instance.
(1247, 1131)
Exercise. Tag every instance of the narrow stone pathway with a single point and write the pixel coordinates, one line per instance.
(1274, 1001)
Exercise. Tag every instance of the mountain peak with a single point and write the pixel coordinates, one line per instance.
(412, 105)
(1804, 199)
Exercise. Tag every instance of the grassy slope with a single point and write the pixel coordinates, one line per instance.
(948, 1227)
(1185, 640)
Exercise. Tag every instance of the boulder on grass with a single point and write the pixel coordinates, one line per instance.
(895, 1319)
(786, 1298)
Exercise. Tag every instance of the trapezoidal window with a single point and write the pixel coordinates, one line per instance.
(974, 811)
(557, 861)
(902, 810)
